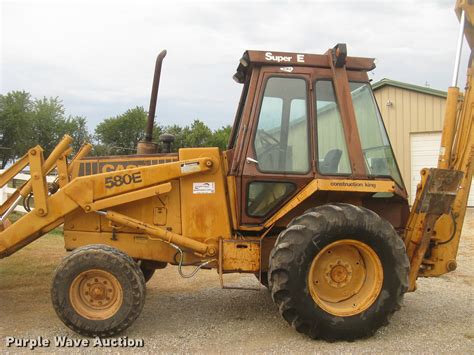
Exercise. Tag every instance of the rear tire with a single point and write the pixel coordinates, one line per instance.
(98, 291)
(345, 295)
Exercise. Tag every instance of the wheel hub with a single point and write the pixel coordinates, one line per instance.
(345, 277)
(338, 275)
(96, 294)
(99, 293)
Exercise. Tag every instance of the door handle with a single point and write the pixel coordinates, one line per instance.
(250, 160)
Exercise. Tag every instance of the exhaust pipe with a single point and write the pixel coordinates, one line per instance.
(154, 96)
(147, 146)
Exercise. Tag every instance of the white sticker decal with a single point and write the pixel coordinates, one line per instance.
(190, 167)
(287, 69)
(204, 187)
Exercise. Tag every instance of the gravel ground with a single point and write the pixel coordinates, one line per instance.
(196, 315)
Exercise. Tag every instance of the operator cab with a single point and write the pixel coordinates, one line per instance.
(303, 117)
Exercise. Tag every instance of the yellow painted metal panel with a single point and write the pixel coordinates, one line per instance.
(373, 186)
(240, 255)
(204, 210)
(136, 245)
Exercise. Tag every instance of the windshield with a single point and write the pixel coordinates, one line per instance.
(378, 154)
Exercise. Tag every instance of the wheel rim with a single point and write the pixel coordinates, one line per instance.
(345, 278)
(96, 294)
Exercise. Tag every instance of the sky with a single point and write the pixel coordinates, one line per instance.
(98, 56)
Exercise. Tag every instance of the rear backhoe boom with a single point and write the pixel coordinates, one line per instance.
(435, 223)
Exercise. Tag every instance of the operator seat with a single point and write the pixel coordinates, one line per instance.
(330, 164)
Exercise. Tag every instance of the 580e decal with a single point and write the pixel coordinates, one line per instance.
(122, 179)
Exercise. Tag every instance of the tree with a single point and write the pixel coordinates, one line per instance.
(47, 123)
(100, 150)
(220, 137)
(76, 127)
(122, 133)
(199, 135)
(15, 125)
(25, 122)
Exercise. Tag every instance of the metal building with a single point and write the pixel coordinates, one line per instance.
(413, 116)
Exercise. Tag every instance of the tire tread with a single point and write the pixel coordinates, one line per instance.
(289, 252)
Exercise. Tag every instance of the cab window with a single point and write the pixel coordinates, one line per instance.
(238, 117)
(264, 196)
(333, 158)
(378, 154)
(281, 139)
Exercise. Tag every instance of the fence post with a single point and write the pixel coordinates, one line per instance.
(3, 192)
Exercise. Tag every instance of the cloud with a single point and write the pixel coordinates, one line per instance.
(98, 56)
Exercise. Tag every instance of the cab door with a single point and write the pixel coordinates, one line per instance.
(278, 154)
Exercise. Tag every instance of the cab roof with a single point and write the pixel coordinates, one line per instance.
(252, 58)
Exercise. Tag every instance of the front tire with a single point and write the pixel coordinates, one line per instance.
(146, 271)
(338, 272)
(149, 267)
(98, 291)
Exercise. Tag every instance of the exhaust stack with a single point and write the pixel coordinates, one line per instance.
(147, 146)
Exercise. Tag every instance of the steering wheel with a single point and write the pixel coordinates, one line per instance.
(375, 148)
(268, 142)
(267, 138)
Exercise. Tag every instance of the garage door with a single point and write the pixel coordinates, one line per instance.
(424, 154)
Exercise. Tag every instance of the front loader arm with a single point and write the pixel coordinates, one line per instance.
(93, 192)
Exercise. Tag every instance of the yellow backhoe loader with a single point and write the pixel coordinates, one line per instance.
(308, 197)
